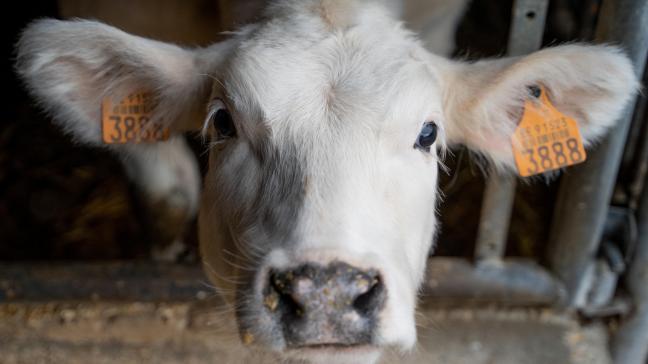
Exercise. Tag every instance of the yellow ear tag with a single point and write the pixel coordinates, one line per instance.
(129, 121)
(545, 139)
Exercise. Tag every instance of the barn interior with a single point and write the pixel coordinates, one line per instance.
(78, 279)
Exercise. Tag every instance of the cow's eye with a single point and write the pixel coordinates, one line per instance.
(222, 122)
(427, 136)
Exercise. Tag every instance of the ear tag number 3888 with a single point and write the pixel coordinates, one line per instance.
(545, 139)
(129, 121)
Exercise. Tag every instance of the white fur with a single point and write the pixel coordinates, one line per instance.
(348, 89)
(71, 66)
(484, 99)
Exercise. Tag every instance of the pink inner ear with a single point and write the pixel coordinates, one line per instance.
(499, 147)
(496, 140)
(489, 141)
(515, 114)
(583, 97)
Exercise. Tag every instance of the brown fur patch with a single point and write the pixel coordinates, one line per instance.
(336, 13)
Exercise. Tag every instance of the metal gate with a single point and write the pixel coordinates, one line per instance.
(583, 266)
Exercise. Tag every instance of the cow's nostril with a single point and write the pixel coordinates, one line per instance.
(368, 302)
(281, 296)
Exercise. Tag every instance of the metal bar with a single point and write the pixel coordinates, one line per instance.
(525, 37)
(634, 154)
(585, 193)
(139, 281)
(527, 26)
(630, 344)
(495, 216)
(514, 282)
(639, 163)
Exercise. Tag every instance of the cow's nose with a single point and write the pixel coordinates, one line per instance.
(315, 305)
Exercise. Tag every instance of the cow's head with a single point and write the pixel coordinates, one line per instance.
(325, 122)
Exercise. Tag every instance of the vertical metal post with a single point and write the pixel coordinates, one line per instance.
(525, 36)
(630, 344)
(585, 192)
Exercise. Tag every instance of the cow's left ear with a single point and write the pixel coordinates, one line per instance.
(483, 101)
(72, 66)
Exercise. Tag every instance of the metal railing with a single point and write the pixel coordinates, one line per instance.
(580, 213)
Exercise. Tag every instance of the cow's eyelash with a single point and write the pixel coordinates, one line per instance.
(212, 108)
(219, 122)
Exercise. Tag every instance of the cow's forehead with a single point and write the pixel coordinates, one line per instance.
(309, 73)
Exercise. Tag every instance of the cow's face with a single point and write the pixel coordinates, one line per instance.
(322, 178)
(325, 123)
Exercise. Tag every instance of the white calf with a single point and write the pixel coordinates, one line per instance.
(326, 121)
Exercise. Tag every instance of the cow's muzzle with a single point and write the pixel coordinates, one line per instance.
(317, 306)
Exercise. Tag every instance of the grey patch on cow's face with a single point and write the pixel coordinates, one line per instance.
(281, 193)
(257, 194)
(261, 193)
(273, 214)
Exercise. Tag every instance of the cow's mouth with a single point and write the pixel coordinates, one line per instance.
(337, 347)
(330, 346)
(323, 353)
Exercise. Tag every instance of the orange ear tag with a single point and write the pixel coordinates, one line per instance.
(545, 139)
(129, 121)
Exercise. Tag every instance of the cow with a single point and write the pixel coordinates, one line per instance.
(326, 121)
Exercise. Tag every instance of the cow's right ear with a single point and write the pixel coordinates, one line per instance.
(70, 66)
(484, 101)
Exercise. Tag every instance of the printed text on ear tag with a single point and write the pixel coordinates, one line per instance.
(129, 120)
(545, 139)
